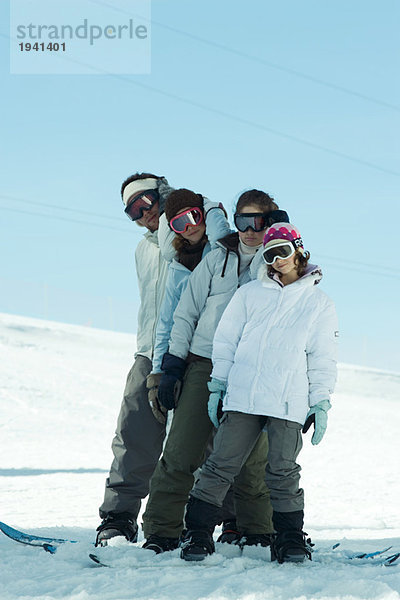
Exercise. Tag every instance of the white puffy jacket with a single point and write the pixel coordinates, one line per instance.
(276, 347)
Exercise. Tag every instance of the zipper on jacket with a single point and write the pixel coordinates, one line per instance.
(225, 263)
(153, 336)
(285, 394)
(262, 343)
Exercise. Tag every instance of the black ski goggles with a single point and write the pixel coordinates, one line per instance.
(141, 202)
(259, 221)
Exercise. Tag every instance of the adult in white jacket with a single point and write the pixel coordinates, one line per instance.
(274, 367)
(139, 437)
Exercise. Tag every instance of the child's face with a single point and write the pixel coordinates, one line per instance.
(250, 237)
(284, 266)
(193, 233)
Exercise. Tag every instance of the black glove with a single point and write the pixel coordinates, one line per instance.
(171, 382)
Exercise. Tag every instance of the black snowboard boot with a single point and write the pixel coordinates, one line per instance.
(197, 544)
(117, 524)
(160, 544)
(255, 539)
(200, 519)
(290, 546)
(230, 534)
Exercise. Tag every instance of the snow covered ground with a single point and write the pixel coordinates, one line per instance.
(60, 392)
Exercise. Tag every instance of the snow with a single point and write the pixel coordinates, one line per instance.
(60, 391)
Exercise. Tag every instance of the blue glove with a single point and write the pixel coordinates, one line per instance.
(318, 415)
(171, 381)
(218, 391)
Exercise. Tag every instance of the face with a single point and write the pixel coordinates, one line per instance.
(193, 233)
(150, 218)
(250, 237)
(286, 266)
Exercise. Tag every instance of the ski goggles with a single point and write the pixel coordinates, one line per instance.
(143, 201)
(283, 251)
(191, 217)
(259, 221)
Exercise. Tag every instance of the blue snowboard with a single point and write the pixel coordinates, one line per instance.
(48, 544)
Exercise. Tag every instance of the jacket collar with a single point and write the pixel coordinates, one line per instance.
(230, 242)
(312, 276)
(174, 264)
(152, 236)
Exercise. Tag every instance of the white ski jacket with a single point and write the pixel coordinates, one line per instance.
(275, 346)
(151, 271)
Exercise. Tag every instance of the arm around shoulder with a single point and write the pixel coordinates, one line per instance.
(165, 238)
(217, 225)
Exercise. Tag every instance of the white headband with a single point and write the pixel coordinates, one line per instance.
(139, 185)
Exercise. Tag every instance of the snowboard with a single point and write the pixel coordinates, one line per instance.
(120, 558)
(48, 544)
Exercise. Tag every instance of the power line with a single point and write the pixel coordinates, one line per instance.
(356, 262)
(261, 127)
(59, 218)
(232, 117)
(66, 208)
(374, 274)
(257, 59)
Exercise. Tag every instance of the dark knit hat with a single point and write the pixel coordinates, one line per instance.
(180, 199)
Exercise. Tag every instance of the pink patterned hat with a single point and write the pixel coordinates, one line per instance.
(285, 232)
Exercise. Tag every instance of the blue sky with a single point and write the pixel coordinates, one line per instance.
(299, 99)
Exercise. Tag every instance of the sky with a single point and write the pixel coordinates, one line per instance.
(298, 99)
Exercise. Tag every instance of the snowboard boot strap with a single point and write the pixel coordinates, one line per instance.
(196, 545)
(117, 525)
(255, 539)
(230, 533)
(290, 546)
(160, 544)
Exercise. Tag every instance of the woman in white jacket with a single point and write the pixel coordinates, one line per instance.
(274, 368)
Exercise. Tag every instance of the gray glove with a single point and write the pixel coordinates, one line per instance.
(164, 190)
(152, 383)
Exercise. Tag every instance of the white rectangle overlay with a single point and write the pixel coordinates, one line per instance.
(80, 37)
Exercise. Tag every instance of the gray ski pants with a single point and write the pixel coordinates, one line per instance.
(137, 446)
(233, 443)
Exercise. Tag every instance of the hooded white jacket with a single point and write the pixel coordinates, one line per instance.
(276, 347)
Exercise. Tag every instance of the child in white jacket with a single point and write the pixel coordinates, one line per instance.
(274, 368)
